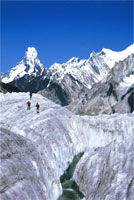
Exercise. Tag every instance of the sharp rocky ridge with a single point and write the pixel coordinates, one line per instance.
(30, 65)
(113, 94)
(28, 74)
(63, 83)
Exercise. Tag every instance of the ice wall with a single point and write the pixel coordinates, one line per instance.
(108, 173)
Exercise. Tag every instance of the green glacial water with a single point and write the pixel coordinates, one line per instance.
(70, 188)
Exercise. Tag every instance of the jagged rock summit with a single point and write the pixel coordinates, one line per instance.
(97, 66)
(70, 81)
(31, 59)
(28, 74)
(29, 66)
(64, 83)
(114, 94)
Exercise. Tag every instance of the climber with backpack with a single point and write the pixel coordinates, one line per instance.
(37, 106)
(30, 95)
(28, 105)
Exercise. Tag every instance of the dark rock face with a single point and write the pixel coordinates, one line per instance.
(109, 95)
(4, 88)
(21, 168)
(30, 83)
(55, 93)
(131, 101)
(65, 92)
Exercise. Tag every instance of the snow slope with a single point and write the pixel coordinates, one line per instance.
(111, 57)
(57, 136)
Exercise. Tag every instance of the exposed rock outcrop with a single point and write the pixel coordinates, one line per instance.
(4, 88)
(113, 94)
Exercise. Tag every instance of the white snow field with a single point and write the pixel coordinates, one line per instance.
(111, 57)
(51, 138)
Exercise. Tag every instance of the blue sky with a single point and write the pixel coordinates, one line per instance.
(60, 30)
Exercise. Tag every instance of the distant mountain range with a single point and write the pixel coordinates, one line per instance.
(114, 93)
(77, 81)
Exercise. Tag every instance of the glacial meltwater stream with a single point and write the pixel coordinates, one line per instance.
(70, 188)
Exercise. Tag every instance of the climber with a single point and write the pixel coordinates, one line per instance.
(28, 105)
(37, 106)
(30, 95)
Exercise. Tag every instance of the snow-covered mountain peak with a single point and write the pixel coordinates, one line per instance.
(55, 67)
(85, 71)
(30, 65)
(31, 52)
(92, 54)
(111, 57)
(73, 60)
(119, 54)
(31, 57)
(66, 67)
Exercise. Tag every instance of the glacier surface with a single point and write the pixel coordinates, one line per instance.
(56, 135)
(108, 173)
